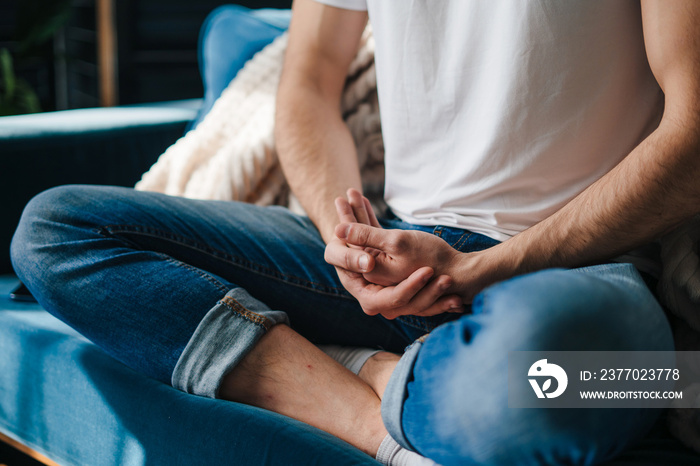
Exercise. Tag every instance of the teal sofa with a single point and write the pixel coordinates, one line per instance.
(63, 397)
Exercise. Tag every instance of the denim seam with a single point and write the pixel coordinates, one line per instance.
(462, 240)
(197, 271)
(251, 316)
(414, 322)
(247, 265)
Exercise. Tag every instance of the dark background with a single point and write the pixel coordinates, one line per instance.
(156, 41)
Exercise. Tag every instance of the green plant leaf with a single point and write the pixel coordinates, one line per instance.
(16, 95)
(27, 100)
(7, 73)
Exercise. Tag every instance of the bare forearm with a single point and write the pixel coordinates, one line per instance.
(316, 149)
(317, 153)
(649, 193)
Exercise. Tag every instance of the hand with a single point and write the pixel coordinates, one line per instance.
(404, 250)
(357, 209)
(414, 293)
(397, 253)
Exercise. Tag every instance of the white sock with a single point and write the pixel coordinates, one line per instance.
(351, 358)
(391, 453)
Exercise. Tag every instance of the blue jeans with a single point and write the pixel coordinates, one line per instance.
(180, 290)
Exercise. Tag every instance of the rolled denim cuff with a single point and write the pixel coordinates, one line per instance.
(396, 392)
(222, 339)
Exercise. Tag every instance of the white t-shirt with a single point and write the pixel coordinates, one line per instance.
(496, 113)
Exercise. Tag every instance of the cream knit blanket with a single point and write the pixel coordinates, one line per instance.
(231, 156)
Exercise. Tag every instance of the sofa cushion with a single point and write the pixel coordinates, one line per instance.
(63, 397)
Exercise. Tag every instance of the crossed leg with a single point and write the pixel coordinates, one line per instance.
(143, 275)
(448, 396)
(140, 273)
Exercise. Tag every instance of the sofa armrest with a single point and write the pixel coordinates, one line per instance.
(111, 146)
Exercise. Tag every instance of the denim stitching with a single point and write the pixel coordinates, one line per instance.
(462, 240)
(415, 322)
(248, 265)
(255, 318)
(197, 271)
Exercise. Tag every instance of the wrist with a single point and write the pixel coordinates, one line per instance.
(327, 233)
(326, 227)
(472, 272)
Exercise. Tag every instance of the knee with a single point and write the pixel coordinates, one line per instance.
(42, 225)
(608, 309)
(461, 373)
(482, 427)
(55, 205)
(458, 407)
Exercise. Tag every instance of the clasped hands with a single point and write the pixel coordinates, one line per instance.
(393, 272)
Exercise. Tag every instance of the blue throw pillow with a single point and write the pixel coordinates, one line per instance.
(230, 36)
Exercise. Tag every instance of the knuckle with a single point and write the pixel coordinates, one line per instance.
(347, 261)
(436, 293)
(398, 301)
(364, 235)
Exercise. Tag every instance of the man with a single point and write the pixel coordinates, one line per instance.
(520, 137)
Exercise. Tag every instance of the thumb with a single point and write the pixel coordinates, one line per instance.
(358, 234)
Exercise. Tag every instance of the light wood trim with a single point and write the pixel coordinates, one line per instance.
(107, 53)
(27, 451)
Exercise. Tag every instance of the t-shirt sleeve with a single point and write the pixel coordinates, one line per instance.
(358, 5)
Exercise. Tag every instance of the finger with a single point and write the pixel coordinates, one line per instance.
(366, 236)
(351, 259)
(356, 279)
(344, 209)
(369, 295)
(430, 300)
(345, 212)
(370, 211)
(353, 282)
(358, 206)
(391, 300)
(449, 303)
(434, 293)
(439, 307)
